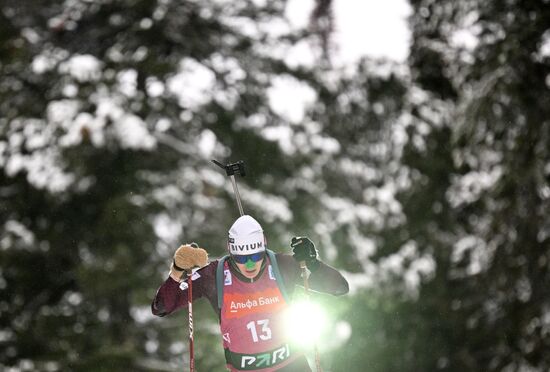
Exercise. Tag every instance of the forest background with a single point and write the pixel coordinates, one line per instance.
(426, 182)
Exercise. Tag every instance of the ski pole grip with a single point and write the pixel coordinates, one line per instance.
(305, 275)
(235, 168)
(232, 168)
(303, 266)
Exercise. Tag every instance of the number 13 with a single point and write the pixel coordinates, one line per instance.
(266, 331)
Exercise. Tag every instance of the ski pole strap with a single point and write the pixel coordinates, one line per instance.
(220, 279)
(253, 362)
(277, 274)
(274, 267)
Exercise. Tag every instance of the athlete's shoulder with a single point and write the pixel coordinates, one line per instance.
(283, 254)
(208, 271)
(285, 260)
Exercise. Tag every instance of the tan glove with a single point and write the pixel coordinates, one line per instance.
(186, 258)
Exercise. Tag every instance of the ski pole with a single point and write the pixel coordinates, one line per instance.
(305, 275)
(231, 169)
(190, 305)
(190, 312)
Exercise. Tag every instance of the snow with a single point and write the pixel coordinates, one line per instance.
(3, 154)
(283, 135)
(359, 169)
(226, 97)
(127, 82)
(154, 87)
(241, 25)
(167, 228)
(82, 67)
(275, 28)
(130, 130)
(325, 144)
(168, 196)
(19, 231)
(345, 211)
(298, 12)
(384, 198)
(31, 35)
(360, 281)
(465, 38)
(207, 143)
(374, 28)
(228, 66)
(107, 106)
(6, 334)
(103, 315)
(36, 135)
(42, 168)
(132, 133)
(409, 264)
(256, 120)
(213, 177)
(84, 123)
(301, 55)
(367, 214)
(70, 90)
(270, 207)
(41, 64)
(467, 35)
(364, 246)
(62, 111)
(73, 298)
(163, 124)
(545, 321)
(544, 49)
(478, 254)
(193, 84)
(289, 140)
(290, 98)
(30, 149)
(367, 28)
(151, 346)
(361, 29)
(468, 188)
(422, 267)
(177, 348)
(524, 289)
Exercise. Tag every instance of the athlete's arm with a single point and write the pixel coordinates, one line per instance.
(172, 296)
(325, 278)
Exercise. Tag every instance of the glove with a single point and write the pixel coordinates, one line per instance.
(186, 258)
(303, 249)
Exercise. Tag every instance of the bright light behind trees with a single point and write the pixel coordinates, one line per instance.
(305, 321)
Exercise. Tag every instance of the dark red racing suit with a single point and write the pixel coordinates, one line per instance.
(250, 314)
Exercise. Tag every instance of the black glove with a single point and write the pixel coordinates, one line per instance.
(303, 249)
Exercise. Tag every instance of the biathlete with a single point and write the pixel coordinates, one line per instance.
(250, 290)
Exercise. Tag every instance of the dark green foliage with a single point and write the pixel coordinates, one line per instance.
(428, 183)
